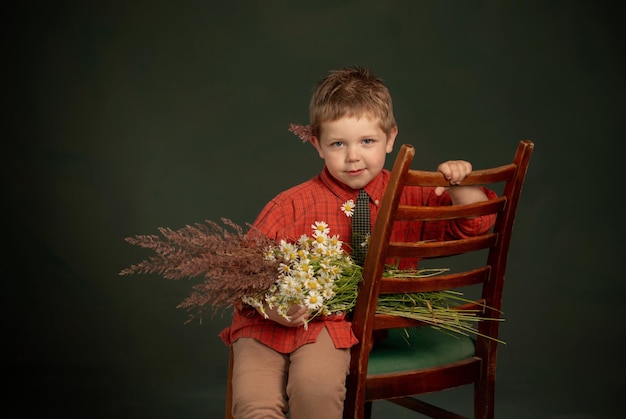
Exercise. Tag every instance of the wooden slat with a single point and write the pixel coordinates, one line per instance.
(440, 249)
(408, 213)
(384, 386)
(435, 283)
(387, 321)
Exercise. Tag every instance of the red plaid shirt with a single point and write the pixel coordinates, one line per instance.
(290, 215)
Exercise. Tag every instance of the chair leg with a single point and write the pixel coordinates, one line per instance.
(229, 387)
(367, 412)
(484, 392)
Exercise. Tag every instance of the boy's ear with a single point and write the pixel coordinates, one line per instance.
(316, 143)
(391, 138)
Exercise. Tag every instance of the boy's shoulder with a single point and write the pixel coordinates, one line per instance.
(313, 185)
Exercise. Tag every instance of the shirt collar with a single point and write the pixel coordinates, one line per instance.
(375, 189)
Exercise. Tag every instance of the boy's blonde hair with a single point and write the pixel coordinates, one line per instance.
(351, 91)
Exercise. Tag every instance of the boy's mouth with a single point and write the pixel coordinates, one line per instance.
(355, 172)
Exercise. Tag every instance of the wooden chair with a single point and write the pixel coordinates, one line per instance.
(429, 360)
(383, 373)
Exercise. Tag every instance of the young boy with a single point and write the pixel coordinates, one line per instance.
(280, 366)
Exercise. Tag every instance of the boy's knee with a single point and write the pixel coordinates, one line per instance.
(320, 400)
(250, 405)
(310, 388)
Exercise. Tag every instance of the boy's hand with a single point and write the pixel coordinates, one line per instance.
(298, 314)
(455, 171)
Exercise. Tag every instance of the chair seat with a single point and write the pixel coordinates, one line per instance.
(418, 348)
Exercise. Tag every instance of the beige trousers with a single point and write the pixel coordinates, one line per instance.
(307, 383)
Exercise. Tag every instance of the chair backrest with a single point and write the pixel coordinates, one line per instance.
(488, 275)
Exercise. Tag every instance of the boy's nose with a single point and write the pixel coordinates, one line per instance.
(352, 154)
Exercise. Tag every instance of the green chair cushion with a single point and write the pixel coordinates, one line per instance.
(418, 348)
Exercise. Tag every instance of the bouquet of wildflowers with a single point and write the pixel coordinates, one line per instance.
(314, 271)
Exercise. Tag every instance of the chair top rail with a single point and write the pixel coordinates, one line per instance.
(476, 177)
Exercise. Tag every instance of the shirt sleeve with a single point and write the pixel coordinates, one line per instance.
(454, 229)
(271, 221)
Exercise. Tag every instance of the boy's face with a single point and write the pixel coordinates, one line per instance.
(354, 149)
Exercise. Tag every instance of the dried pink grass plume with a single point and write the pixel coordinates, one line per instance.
(303, 131)
(231, 262)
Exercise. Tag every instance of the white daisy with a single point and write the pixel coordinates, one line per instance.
(312, 284)
(284, 269)
(314, 300)
(269, 254)
(320, 227)
(328, 293)
(304, 240)
(348, 207)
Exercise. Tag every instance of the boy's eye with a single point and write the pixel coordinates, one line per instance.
(368, 140)
(336, 144)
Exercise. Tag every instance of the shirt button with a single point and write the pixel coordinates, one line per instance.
(377, 202)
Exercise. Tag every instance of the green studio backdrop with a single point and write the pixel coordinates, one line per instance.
(122, 117)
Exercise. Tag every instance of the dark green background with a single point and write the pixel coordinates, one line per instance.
(121, 117)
